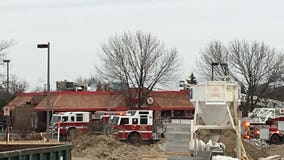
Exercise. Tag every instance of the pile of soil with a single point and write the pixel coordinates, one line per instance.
(275, 150)
(96, 147)
(256, 151)
(252, 150)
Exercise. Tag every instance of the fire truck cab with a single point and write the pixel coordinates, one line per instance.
(70, 123)
(137, 125)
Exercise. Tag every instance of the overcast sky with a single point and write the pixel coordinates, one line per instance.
(77, 28)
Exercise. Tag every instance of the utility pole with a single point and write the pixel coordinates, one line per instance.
(8, 114)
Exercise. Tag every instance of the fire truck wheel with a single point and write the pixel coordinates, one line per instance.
(72, 133)
(134, 138)
(275, 139)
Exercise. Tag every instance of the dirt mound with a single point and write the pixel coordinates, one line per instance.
(97, 147)
(254, 151)
(104, 147)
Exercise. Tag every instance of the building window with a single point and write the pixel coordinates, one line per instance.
(188, 114)
(179, 114)
(166, 113)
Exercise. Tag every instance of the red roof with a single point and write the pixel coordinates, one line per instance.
(83, 101)
(172, 100)
(19, 100)
(102, 100)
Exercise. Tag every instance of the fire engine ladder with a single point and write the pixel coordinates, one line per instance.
(261, 115)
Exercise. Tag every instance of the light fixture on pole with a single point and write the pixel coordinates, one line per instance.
(8, 114)
(224, 67)
(48, 83)
(212, 69)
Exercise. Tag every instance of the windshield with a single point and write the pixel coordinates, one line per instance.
(113, 120)
(55, 119)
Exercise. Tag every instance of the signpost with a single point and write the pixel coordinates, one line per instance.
(6, 112)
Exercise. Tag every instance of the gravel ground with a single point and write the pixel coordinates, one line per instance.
(99, 147)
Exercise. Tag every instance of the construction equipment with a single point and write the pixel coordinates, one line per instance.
(216, 104)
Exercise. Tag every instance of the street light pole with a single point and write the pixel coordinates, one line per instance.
(8, 117)
(7, 61)
(48, 83)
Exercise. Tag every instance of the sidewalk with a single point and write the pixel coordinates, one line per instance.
(17, 136)
(33, 138)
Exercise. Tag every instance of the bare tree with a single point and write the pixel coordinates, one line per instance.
(38, 89)
(15, 86)
(215, 52)
(139, 61)
(91, 81)
(253, 65)
(4, 45)
(81, 80)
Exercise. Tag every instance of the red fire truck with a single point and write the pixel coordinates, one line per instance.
(137, 125)
(69, 124)
(266, 124)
